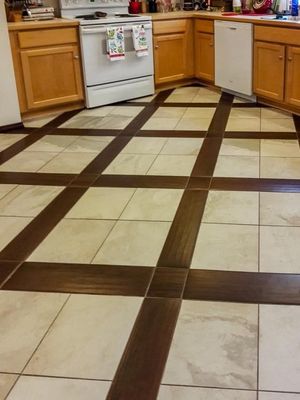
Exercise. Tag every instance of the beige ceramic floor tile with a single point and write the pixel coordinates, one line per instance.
(193, 124)
(89, 144)
(93, 112)
(115, 122)
(277, 125)
(91, 122)
(71, 163)
(205, 95)
(172, 165)
(182, 146)
(8, 139)
(42, 388)
(245, 112)
(5, 189)
(130, 164)
(240, 147)
(39, 122)
(199, 112)
(101, 203)
(186, 90)
(27, 161)
(280, 209)
(153, 205)
(196, 393)
(27, 200)
(280, 148)
(180, 98)
(237, 166)
(279, 249)
(25, 318)
(231, 207)
(133, 243)
(227, 247)
(73, 241)
(243, 124)
(280, 168)
(52, 143)
(6, 383)
(126, 111)
(278, 396)
(241, 100)
(279, 348)
(161, 123)
(92, 350)
(144, 145)
(274, 113)
(169, 112)
(215, 344)
(10, 227)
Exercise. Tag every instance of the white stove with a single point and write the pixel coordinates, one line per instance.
(105, 81)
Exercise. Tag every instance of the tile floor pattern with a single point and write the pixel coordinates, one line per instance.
(106, 217)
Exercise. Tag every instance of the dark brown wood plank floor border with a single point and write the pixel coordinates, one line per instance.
(6, 269)
(141, 368)
(142, 181)
(36, 231)
(256, 184)
(179, 245)
(161, 96)
(103, 159)
(36, 178)
(249, 105)
(199, 183)
(219, 121)
(297, 125)
(60, 119)
(168, 282)
(260, 135)
(19, 146)
(11, 127)
(207, 157)
(85, 132)
(243, 287)
(81, 278)
(171, 133)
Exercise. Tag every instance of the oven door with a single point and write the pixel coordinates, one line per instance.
(98, 69)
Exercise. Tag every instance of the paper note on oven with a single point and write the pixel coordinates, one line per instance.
(139, 40)
(115, 43)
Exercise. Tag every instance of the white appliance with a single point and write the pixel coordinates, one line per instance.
(108, 81)
(233, 56)
(9, 104)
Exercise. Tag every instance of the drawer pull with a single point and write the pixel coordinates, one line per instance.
(290, 59)
(280, 57)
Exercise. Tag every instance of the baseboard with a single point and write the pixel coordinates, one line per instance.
(10, 127)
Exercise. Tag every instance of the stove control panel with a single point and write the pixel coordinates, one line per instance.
(90, 4)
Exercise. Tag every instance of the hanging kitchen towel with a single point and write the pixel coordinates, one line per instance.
(139, 40)
(115, 43)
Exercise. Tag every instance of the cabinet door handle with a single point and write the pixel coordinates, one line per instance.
(156, 47)
(232, 28)
(211, 44)
(76, 57)
(290, 59)
(280, 57)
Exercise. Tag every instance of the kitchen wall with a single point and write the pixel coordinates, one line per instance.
(52, 3)
(9, 105)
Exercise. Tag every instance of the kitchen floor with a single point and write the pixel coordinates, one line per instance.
(150, 249)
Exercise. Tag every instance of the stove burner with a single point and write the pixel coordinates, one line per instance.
(96, 15)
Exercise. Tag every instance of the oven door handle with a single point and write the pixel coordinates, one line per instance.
(103, 30)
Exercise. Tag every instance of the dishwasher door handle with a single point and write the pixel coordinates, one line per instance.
(233, 28)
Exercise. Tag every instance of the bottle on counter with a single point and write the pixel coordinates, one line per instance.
(294, 8)
(236, 5)
(152, 6)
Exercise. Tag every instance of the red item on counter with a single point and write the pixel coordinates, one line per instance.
(134, 7)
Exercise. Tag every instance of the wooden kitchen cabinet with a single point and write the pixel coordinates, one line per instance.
(173, 50)
(204, 50)
(292, 82)
(47, 68)
(269, 64)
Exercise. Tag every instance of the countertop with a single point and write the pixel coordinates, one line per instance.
(218, 15)
(53, 23)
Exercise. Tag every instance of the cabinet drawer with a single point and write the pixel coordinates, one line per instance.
(203, 25)
(172, 26)
(279, 35)
(47, 37)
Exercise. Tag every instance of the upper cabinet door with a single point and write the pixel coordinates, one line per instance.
(204, 56)
(51, 76)
(269, 60)
(292, 91)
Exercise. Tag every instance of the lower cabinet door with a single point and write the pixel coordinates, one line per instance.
(51, 76)
(170, 57)
(204, 56)
(292, 84)
(269, 60)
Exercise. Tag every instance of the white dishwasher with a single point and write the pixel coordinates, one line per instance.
(233, 56)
